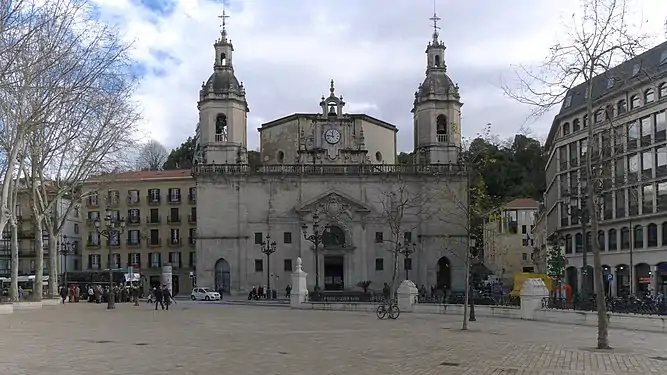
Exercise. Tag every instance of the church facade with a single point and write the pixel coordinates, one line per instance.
(329, 190)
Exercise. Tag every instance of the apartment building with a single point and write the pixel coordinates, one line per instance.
(159, 209)
(26, 238)
(630, 153)
(508, 239)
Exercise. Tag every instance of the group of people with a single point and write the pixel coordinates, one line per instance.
(73, 292)
(262, 292)
(161, 296)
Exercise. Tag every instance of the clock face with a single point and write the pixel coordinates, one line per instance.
(332, 136)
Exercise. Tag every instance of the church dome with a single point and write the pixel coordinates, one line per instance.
(223, 80)
(436, 83)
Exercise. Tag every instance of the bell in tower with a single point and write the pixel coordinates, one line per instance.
(333, 105)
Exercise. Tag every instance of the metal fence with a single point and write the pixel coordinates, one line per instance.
(459, 299)
(628, 305)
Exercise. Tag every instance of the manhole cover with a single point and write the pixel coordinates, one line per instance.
(103, 342)
(449, 364)
(141, 344)
(659, 358)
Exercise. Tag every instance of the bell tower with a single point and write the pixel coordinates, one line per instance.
(437, 108)
(223, 109)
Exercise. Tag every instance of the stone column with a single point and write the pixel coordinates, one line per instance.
(299, 286)
(363, 252)
(166, 276)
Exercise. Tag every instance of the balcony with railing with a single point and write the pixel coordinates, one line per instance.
(174, 219)
(92, 245)
(442, 138)
(154, 242)
(192, 241)
(133, 243)
(92, 202)
(133, 200)
(174, 199)
(212, 170)
(133, 221)
(175, 242)
(192, 219)
(192, 198)
(153, 200)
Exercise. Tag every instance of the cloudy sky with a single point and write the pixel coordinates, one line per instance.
(286, 51)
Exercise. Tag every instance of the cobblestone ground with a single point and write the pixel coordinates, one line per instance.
(196, 338)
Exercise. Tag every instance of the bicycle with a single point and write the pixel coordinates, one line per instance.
(388, 308)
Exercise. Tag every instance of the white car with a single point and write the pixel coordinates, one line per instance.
(204, 293)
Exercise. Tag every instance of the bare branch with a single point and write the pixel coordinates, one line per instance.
(152, 156)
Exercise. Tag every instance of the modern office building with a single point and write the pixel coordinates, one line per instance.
(630, 154)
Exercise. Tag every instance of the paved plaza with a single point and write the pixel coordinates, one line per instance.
(200, 338)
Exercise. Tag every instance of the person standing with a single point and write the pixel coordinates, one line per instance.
(159, 298)
(166, 295)
(63, 293)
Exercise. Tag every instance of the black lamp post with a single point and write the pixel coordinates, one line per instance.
(316, 239)
(113, 228)
(65, 250)
(406, 250)
(581, 214)
(268, 248)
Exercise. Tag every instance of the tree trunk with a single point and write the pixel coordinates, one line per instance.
(466, 298)
(603, 324)
(39, 261)
(53, 266)
(14, 246)
(392, 286)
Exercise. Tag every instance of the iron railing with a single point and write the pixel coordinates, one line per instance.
(482, 300)
(326, 169)
(344, 297)
(627, 305)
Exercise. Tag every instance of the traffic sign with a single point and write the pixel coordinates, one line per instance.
(609, 277)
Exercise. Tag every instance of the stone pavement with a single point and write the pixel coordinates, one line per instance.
(200, 338)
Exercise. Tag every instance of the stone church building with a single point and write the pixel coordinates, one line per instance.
(329, 190)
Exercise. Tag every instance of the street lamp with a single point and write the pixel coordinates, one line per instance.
(268, 248)
(574, 211)
(113, 228)
(316, 239)
(406, 250)
(65, 250)
(472, 254)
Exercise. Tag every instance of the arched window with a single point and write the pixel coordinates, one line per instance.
(601, 241)
(652, 230)
(281, 157)
(334, 237)
(621, 106)
(578, 245)
(613, 240)
(625, 238)
(441, 128)
(221, 128)
(568, 244)
(634, 102)
(585, 121)
(566, 128)
(649, 96)
(664, 233)
(638, 237)
(437, 60)
(576, 125)
(223, 59)
(662, 90)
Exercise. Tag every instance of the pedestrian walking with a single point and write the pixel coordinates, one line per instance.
(158, 298)
(166, 296)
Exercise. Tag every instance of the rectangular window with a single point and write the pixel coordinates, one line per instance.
(155, 237)
(407, 237)
(619, 172)
(633, 168)
(407, 264)
(661, 196)
(583, 148)
(633, 200)
(135, 260)
(134, 216)
(175, 259)
(95, 261)
(633, 135)
(647, 199)
(287, 265)
(646, 131)
(154, 217)
(115, 261)
(524, 256)
(524, 229)
(133, 237)
(192, 236)
(113, 197)
(154, 196)
(574, 153)
(562, 156)
(192, 195)
(192, 262)
(133, 196)
(258, 238)
(661, 161)
(379, 237)
(660, 126)
(155, 260)
(379, 264)
(647, 165)
(287, 237)
(259, 265)
(174, 195)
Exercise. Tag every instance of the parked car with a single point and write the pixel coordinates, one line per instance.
(205, 294)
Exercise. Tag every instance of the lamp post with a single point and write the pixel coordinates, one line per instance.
(577, 209)
(65, 250)
(113, 228)
(406, 250)
(471, 290)
(316, 239)
(268, 248)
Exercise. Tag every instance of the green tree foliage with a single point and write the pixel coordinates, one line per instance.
(181, 156)
(555, 262)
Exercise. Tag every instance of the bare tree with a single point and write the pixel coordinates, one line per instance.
(598, 40)
(404, 206)
(81, 114)
(152, 156)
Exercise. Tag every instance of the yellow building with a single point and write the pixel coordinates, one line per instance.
(159, 209)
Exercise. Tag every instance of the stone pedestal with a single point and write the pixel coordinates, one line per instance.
(166, 277)
(299, 286)
(407, 295)
(533, 293)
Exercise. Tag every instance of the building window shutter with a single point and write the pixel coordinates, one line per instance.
(90, 261)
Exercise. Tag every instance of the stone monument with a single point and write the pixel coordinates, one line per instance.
(299, 288)
(166, 277)
(533, 292)
(407, 295)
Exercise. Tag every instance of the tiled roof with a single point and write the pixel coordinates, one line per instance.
(523, 203)
(147, 175)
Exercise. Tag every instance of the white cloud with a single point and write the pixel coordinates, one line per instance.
(286, 52)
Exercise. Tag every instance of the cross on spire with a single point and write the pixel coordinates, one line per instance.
(224, 17)
(435, 20)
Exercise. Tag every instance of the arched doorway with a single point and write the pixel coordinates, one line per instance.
(444, 274)
(571, 279)
(642, 277)
(622, 280)
(175, 285)
(662, 277)
(222, 275)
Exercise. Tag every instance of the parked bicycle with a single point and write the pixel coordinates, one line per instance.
(388, 308)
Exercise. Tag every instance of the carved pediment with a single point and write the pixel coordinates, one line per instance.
(334, 205)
